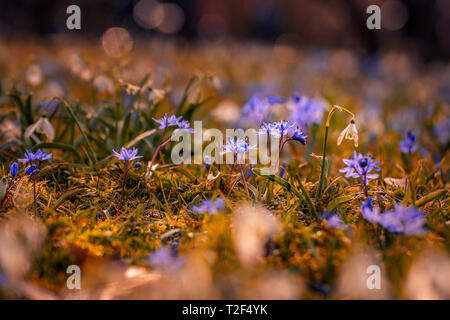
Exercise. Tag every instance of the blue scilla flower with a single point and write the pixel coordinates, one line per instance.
(185, 125)
(239, 146)
(257, 109)
(212, 207)
(283, 126)
(127, 154)
(274, 100)
(270, 128)
(304, 110)
(37, 156)
(409, 145)
(138, 165)
(299, 136)
(442, 131)
(360, 167)
(166, 121)
(282, 170)
(208, 162)
(249, 170)
(334, 220)
(164, 257)
(14, 169)
(31, 169)
(369, 212)
(406, 220)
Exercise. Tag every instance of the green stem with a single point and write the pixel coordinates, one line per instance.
(308, 199)
(322, 169)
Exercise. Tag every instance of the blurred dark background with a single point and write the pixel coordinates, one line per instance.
(420, 26)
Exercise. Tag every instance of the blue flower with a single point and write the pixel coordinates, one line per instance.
(138, 165)
(442, 131)
(185, 125)
(239, 146)
(282, 169)
(409, 145)
(368, 211)
(406, 220)
(274, 100)
(360, 166)
(257, 109)
(208, 162)
(299, 136)
(270, 128)
(334, 221)
(164, 257)
(168, 121)
(305, 111)
(31, 169)
(14, 169)
(249, 170)
(212, 207)
(127, 154)
(283, 126)
(39, 156)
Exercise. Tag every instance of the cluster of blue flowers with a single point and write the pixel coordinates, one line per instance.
(212, 207)
(305, 111)
(406, 220)
(284, 130)
(168, 121)
(33, 160)
(258, 109)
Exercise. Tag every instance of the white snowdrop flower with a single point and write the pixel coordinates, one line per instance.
(350, 133)
(104, 84)
(41, 126)
(34, 75)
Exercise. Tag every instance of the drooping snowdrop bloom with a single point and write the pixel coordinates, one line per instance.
(409, 145)
(350, 133)
(41, 126)
(212, 207)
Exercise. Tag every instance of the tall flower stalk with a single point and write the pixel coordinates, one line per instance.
(34, 161)
(126, 155)
(239, 148)
(349, 132)
(164, 123)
